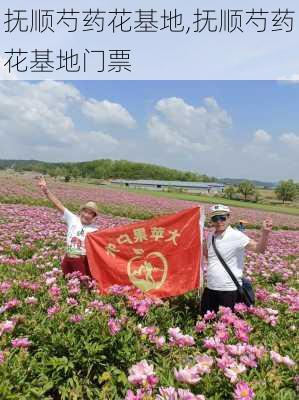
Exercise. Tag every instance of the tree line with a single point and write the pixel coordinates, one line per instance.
(285, 191)
(122, 169)
(105, 169)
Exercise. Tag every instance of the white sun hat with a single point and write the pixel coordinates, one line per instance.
(219, 209)
(90, 205)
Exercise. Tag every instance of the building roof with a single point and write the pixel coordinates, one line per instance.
(182, 184)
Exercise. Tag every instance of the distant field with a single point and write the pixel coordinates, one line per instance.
(279, 208)
(138, 204)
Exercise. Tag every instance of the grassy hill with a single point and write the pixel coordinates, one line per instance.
(105, 169)
(237, 181)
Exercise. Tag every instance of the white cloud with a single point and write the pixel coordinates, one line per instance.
(106, 112)
(199, 138)
(261, 137)
(185, 127)
(265, 156)
(36, 114)
(54, 121)
(44, 120)
(95, 144)
(103, 137)
(258, 147)
(290, 139)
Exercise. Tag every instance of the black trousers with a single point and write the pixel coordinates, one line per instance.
(212, 299)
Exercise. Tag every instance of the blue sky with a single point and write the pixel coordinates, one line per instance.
(251, 103)
(247, 129)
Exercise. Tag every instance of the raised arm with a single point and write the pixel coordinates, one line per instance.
(261, 245)
(57, 203)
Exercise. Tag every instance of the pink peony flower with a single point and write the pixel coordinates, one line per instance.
(187, 395)
(288, 361)
(167, 393)
(96, 305)
(200, 326)
(6, 326)
(4, 287)
(192, 375)
(249, 360)
(142, 374)
(204, 363)
(114, 326)
(177, 338)
(159, 341)
(31, 300)
(71, 301)
(21, 342)
(75, 319)
(277, 358)
(2, 357)
(209, 315)
(258, 351)
(233, 371)
(187, 375)
(50, 281)
(211, 342)
(120, 290)
(110, 310)
(222, 335)
(225, 361)
(10, 305)
(147, 330)
(53, 310)
(240, 308)
(243, 392)
(236, 349)
(55, 292)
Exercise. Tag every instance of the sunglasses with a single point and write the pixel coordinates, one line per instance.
(217, 218)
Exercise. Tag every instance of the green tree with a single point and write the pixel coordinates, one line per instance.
(75, 172)
(286, 190)
(105, 169)
(56, 172)
(246, 188)
(52, 172)
(229, 192)
(257, 196)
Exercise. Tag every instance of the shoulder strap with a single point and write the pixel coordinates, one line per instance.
(228, 270)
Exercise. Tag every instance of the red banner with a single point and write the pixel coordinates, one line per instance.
(160, 256)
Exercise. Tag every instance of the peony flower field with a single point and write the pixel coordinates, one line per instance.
(19, 189)
(59, 339)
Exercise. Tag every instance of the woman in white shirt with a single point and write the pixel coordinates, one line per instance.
(231, 244)
(78, 226)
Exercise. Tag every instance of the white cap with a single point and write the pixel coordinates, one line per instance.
(219, 209)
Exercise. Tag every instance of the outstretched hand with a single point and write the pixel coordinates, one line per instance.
(42, 183)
